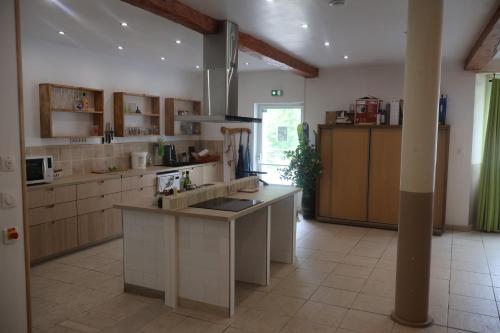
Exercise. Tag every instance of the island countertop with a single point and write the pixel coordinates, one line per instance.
(267, 194)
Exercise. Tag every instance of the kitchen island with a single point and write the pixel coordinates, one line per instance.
(192, 257)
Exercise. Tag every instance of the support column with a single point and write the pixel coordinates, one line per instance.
(418, 161)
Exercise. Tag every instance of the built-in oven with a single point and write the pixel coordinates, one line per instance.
(39, 169)
(167, 180)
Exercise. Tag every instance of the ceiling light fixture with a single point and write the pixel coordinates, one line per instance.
(163, 58)
(124, 24)
(346, 57)
(177, 41)
(246, 64)
(120, 47)
(327, 43)
(305, 26)
(61, 33)
(197, 67)
(270, 0)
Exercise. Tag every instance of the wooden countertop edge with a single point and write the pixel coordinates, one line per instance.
(208, 213)
(93, 177)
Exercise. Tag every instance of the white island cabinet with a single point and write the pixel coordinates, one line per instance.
(192, 257)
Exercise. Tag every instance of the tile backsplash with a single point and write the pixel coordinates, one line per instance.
(77, 160)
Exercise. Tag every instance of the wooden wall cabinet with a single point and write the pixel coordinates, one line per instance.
(57, 110)
(360, 183)
(130, 123)
(173, 106)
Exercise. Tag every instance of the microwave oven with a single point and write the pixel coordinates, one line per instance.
(39, 169)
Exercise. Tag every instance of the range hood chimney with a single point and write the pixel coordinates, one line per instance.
(220, 78)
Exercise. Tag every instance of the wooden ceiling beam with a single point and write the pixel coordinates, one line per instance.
(191, 18)
(275, 57)
(486, 45)
(179, 13)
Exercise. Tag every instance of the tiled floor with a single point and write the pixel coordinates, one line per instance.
(343, 281)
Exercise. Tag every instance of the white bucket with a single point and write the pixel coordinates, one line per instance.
(139, 160)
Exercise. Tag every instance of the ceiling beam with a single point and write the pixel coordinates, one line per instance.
(191, 18)
(179, 13)
(275, 57)
(485, 47)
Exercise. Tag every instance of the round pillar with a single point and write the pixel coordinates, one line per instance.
(418, 161)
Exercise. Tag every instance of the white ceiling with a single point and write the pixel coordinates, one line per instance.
(368, 31)
(96, 25)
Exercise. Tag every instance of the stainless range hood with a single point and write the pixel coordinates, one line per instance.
(220, 78)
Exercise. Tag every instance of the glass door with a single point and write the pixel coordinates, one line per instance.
(277, 134)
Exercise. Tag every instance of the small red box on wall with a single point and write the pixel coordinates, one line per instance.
(366, 111)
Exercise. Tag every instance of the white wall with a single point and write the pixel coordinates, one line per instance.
(12, 274)
(337, 88)
(56, 63)
(255, 87)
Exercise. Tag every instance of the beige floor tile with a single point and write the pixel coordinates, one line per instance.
(353, 271)
(474, 305)
(282, 305)
(355, 260)
(295, 289)
(470, 266)
(120, 307)
(344, 282)
(280, 270)
(317, 265)
(113, 285)
(439, 314)
(440, 273)
(375, 304)
(383, 275)
(321, 313)
(266, 289)
(260, 321)
(432, 329)
(379, 288)
(296, 325)
(473, 322)
(334, 256)
(470, 277)
(78, 327)
(247, 297)
(333, 296)
(47, 320)
(135, 322)
(192, 325)
(164, 323)
(304, 253)
(307, 276)
(360, 321)
(472, 290)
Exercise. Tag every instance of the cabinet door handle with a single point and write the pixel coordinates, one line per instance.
(102, 196)
(51, 190)
(50, 206)
(101, 182)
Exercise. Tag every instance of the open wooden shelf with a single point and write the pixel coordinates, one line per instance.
(150, 114)
(173, 106)
(60, 99)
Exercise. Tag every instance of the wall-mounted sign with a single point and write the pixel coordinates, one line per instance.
(276, 92)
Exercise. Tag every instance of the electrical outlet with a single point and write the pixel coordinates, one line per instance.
(7, 163)
(7, 200)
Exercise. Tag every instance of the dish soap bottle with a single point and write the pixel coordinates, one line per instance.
(187, 181)
(181, 182)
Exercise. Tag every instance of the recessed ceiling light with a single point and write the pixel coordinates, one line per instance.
(124, 24)
(305, 26)
(61, 33)
(346, 57)
(163, 58)
(197, 67)
(177, 41)
(246, 64)
(334, 3)
(327, 43)
(120, 47)
(270, 0)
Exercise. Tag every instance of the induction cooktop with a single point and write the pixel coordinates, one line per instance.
(227, 204)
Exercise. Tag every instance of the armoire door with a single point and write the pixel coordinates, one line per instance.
(349, 173)
(324, 184)
(385, 167)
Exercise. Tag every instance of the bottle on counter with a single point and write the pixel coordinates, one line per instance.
(187, 181)
(85, 102)
(182, 185)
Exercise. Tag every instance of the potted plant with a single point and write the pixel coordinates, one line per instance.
(304, 168)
